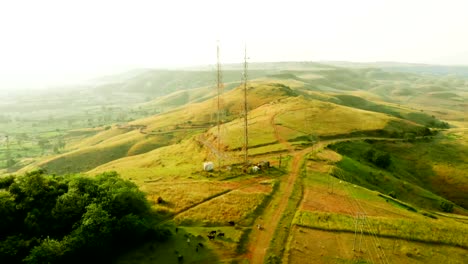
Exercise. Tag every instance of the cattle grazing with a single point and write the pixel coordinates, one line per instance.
(211, 237)
(264, 164)
(220, 234)
(232, 223)
(160, 200)
(213, 232)
(200, 245)
(180, 258)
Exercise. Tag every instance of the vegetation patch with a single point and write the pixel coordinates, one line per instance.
(411, 172)
(74, 219)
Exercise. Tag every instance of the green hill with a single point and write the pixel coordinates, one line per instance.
(355, 153)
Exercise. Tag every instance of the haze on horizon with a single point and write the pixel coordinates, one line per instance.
(51, 42)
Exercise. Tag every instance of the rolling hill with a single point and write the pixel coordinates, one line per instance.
(356, 153)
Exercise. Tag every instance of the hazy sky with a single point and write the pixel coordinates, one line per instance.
(47, 41)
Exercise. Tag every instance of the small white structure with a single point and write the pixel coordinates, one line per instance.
(255, 169)
(208, 166)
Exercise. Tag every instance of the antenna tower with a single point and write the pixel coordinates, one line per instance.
(246, 135)
(218, 114)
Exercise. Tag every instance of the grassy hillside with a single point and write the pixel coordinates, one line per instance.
(276, 111)
(350, 149)
(420, 172)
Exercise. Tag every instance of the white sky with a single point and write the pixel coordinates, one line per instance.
(46, 41)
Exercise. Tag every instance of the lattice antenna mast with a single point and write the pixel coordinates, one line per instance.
(246, 134)
(219, 92)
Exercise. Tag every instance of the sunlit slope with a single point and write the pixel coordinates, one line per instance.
(423, 99)
(153, 132)
(279, 113)
(285, 103)
(439, 166)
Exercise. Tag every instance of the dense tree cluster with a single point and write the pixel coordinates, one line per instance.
(379, 158)
(72, 219)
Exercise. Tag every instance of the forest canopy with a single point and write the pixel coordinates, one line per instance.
(72, 219)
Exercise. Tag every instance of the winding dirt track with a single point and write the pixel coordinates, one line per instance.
(259, 240)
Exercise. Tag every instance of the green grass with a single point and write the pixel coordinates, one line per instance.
(432, 231)
(276, 248)
(411, 175)
(168, 251)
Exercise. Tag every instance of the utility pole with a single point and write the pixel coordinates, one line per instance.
(246, 134)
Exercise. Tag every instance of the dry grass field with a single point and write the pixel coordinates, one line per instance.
(317, 246)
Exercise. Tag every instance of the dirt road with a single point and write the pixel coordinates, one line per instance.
(260, 239)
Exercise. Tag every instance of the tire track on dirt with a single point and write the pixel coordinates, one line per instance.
(260, 239)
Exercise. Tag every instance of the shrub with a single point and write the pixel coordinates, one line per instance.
(383, 160)
(5, 182)
(446, 206)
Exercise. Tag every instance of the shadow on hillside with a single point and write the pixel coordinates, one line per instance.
(181, 247)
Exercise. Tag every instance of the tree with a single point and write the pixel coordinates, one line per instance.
(49, 251)
(73, 219)
(370, 155)
(383, 160)
(8, 214)
(446, 206)
(6, 181)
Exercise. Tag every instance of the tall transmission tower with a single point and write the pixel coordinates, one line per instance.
(246, 134)
(218, 113)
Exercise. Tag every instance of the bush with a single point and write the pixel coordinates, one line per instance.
(383, 160)
(5, 182)
(446, 206)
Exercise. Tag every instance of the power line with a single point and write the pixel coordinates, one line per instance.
(363, 220)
